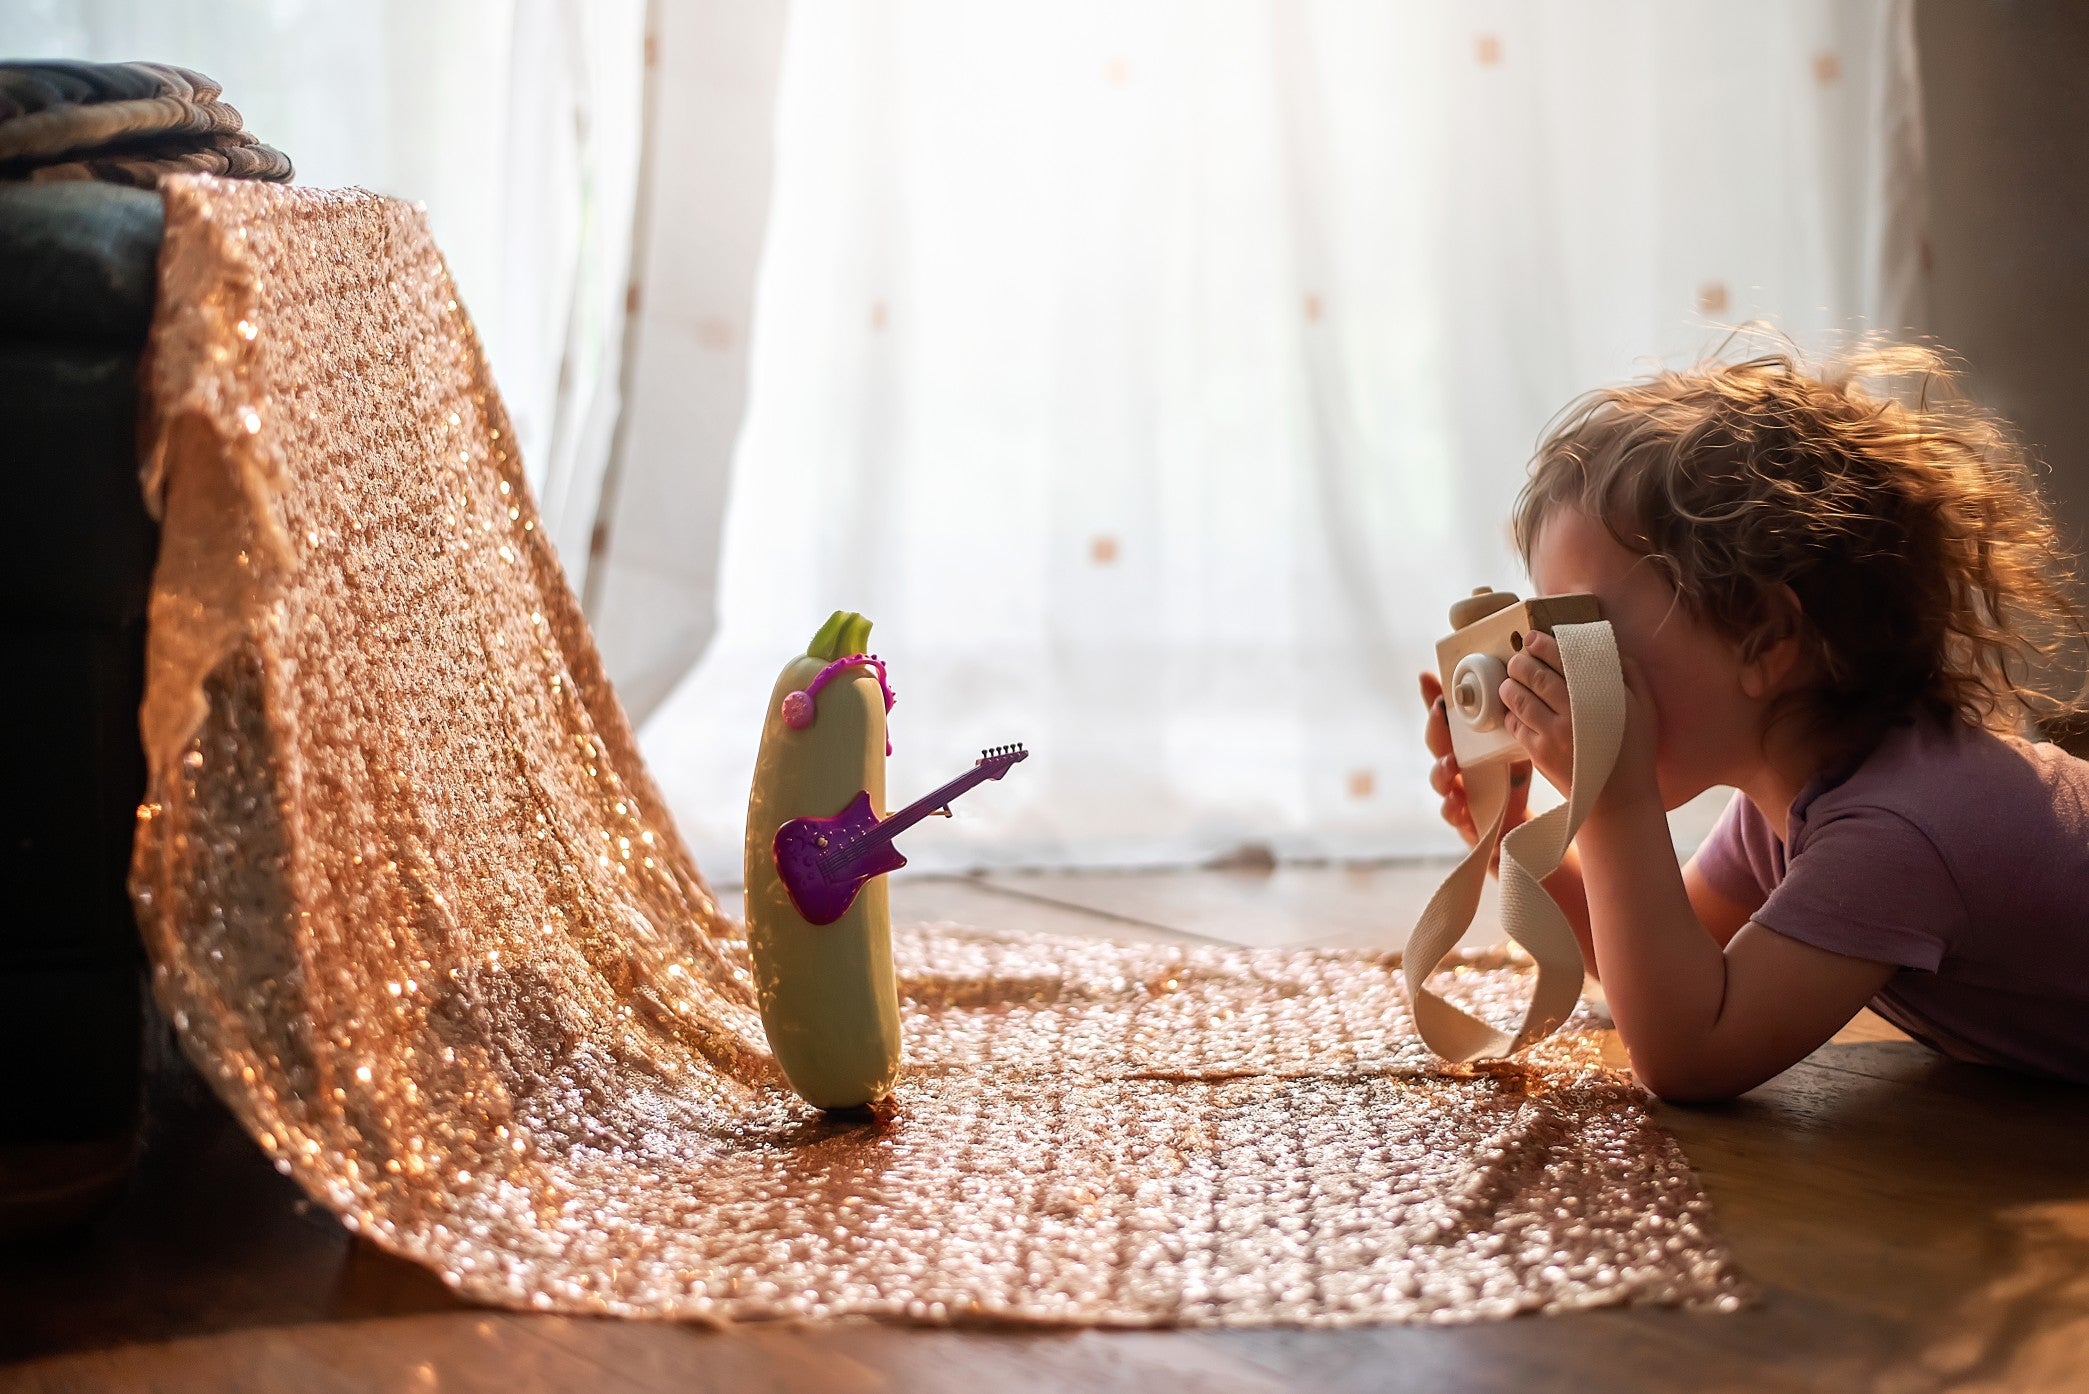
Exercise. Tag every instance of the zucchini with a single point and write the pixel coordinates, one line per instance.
(827, 996)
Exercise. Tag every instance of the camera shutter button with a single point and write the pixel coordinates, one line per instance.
(1483, 601)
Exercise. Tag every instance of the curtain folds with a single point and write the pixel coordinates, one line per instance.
(1152, 373)
(516, 122)
(1155, 374)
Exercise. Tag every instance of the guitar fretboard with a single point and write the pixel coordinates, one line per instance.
(893, 826)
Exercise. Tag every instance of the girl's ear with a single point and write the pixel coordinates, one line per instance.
(1772, 666)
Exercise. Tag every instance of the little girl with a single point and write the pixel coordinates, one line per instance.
(1818, 594)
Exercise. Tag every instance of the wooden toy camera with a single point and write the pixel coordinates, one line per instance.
(1487, 627)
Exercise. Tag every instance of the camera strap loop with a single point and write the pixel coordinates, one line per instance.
(1529, 854)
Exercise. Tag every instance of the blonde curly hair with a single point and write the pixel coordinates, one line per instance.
(1929, 572)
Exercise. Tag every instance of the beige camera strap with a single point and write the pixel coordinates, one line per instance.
(1530, 853)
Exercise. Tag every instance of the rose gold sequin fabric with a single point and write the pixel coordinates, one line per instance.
(419, 912)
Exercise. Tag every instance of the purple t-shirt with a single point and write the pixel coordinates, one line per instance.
(1959, 855)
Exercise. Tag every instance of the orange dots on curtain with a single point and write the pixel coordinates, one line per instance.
(1487, 49)
(877, 316)
(717, 335)
(1102, 550)
(1711, 298)
(1118, 72)
(1362, 784)
(1312, 308)
(1826, 68)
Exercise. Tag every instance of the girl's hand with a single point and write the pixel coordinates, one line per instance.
(1541, 720)
(1446, 779)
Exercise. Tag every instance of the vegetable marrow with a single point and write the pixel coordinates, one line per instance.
(827, 996)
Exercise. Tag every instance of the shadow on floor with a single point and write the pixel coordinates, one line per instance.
(207, 1237)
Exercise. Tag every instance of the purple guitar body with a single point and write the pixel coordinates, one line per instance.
(807, 847)
(824, 862)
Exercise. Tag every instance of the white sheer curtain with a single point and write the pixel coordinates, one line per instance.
(1154, 374)
(516, 122)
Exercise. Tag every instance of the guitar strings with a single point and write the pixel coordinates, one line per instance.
(833, 863)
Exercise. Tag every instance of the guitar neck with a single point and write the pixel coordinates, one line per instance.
(839, 861)
(928, 803)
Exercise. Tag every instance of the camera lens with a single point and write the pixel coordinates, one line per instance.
(1476, 691)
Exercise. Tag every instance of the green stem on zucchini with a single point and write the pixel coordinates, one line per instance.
(824, 645)
(844, 633)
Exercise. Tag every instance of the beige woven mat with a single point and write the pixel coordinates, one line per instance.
(419, 913)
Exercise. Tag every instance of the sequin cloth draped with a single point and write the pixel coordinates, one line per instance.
(419, 913)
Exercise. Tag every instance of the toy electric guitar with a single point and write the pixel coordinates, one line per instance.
(823, 862)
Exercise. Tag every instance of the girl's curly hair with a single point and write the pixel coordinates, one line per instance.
(1930, 574)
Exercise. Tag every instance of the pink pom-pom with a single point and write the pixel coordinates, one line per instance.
(797, 711)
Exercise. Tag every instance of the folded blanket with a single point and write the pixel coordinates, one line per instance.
(129, 123)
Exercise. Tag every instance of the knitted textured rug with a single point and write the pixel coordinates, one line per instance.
(418, 912)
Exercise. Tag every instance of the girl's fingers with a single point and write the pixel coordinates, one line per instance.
(1525, 715)
(1540, 678)
(1513, 696)
(1438, 731)
(1443, 774)
(1454, 814)
(1457, 811)
(1525, 734)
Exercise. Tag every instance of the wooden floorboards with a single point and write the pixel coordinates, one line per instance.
(1912, 1224)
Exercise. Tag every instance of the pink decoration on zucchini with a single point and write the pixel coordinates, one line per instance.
(800, 707)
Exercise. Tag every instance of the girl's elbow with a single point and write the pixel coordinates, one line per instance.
(1688, 1082)
(1680, 1089)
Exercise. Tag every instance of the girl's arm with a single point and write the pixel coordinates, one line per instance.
(1701, 1023)
(1721, 918)
(1565, 887)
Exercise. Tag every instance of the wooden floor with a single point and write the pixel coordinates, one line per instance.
(1914, 1225)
